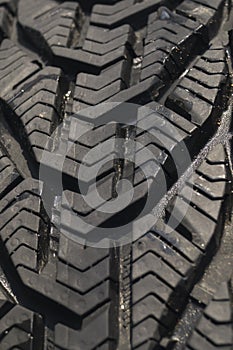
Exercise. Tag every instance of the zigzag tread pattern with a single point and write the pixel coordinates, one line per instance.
(65, 57)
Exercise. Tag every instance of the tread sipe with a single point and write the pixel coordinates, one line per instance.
(66, 68)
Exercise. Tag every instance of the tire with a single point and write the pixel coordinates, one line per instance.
(170, 286)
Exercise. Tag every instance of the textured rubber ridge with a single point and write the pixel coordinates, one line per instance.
(160, 291)
(214, 330)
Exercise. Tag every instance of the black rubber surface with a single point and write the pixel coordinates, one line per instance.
(168, 289)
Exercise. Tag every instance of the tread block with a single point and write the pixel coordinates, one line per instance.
(199, 225)
(55, 25)
(60, 28)
(172, 36)
(168, 256)
(14, 72)
(214, 330)
(99, 160)
(21, 229)
(200, 95)
(8, 173)
(17, 327)
(87, 338)
(126, 11)
(35, 99)
(87, 281)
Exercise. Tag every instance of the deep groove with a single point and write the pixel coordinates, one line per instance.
(38, 332)
(43, 242)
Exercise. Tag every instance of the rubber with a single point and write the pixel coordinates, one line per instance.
(169, 288)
